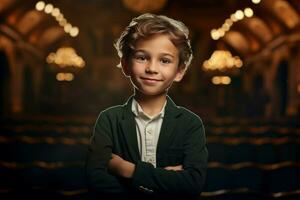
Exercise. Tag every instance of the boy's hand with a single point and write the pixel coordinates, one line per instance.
(121, 167)
(175, 168)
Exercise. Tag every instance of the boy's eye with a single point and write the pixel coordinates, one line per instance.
(165, 60)
(140, 57)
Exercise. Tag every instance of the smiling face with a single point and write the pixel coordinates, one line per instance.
(153, 66)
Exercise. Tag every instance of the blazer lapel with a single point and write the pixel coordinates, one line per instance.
(168, 125)
(128, 128)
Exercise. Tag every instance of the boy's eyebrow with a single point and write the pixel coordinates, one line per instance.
(140, 50)
(143, 51)
(167, 54)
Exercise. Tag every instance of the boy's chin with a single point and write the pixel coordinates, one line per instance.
(151, 93)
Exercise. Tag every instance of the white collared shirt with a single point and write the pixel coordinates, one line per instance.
(148, 130)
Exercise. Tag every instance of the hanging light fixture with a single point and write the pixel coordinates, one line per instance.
(222, 60)
(238, 15)
(143, 6)
(65, 62)
(49, 9)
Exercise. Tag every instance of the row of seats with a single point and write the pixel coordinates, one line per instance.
(281, 177)
(79, 120)
(86, 129)
(51, 149)
(42, 164)
(268, 178)
(24, 152)
(265, 153)
(254, 122)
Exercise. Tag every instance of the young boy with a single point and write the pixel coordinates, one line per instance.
(149, 147)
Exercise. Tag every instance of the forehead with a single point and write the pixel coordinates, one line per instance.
(155, 44)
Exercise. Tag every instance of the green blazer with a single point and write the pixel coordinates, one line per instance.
(181, 142)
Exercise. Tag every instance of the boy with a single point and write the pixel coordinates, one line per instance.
(149, 147)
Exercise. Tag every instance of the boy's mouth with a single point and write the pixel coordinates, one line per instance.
(150, 80)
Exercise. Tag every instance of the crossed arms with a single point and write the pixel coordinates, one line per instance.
(123, 168)
(110, 173)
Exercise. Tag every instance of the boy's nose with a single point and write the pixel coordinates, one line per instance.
(151, 68)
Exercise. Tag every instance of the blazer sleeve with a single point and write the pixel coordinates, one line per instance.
(188, 181)
(99, 153)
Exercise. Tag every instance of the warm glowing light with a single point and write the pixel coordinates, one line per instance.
(40, 5)
(215, 34)
(229, 22)
(233, 18)
(60, 76)
(69, 76)
(66, 57)
(67, 28)
(222, 60)
(256, 1)
(221, 80)
(226, 80)
(48, 9)
(237, 62)
(298, 88)
(63, 22)
(226, 27)
(55, 12)
(64, 76)
(60, 17)
(216, 80)
(50, 58)
(221, 32)
(74, 31)
(239, 14)
(248, 12)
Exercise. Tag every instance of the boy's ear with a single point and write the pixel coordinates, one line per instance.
(180, 73)
(125, 67)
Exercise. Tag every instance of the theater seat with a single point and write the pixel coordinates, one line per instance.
(283, 179)
(218, 152)
(218, 178)
(242, 153)
(265, 154)
(248, 177)
(289, 152)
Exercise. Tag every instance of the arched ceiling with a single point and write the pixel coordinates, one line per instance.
(29, 21)
(272, 19)
(264, 34)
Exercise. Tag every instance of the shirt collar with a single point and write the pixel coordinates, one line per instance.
(138, 111)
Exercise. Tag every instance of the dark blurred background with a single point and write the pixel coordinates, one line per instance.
(58, 71)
